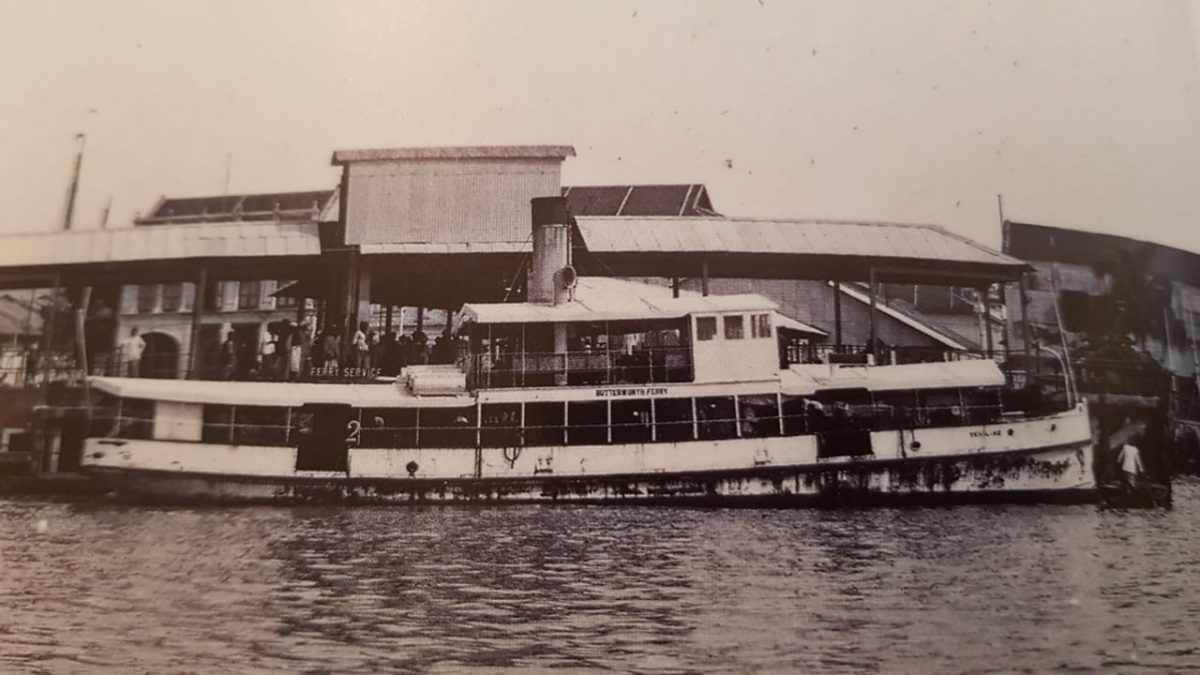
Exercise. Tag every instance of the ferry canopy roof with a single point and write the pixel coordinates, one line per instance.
(200, 240)
(808, 249)
(609, 299)
(808, 379)
(283, 394)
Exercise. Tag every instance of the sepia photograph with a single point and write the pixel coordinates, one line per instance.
(709, 336)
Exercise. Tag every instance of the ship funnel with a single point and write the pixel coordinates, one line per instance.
(551, 276)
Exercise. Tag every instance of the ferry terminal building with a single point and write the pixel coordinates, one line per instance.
(437, 227)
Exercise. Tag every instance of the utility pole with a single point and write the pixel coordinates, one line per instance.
(81, 140)
(104, 215)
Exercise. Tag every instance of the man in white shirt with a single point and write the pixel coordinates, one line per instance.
(1130, 459)
(131, 353)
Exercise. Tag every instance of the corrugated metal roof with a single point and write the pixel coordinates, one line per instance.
(456, 152)
(608, 299)
(456, 247)
(207, 240)
(799, 237)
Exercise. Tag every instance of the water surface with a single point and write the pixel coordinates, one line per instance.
(98, 587)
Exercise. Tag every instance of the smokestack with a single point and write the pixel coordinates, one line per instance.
(551, 276)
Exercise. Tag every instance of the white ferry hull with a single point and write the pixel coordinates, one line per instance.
(1044, 460)
(1043, 476)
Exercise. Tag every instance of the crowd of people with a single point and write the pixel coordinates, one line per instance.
(293, 352)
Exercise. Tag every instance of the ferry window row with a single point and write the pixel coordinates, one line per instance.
(733, 327)
(559, 423)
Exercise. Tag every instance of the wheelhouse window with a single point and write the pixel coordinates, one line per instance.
(760, 326)
(706, 328)
(735, 327)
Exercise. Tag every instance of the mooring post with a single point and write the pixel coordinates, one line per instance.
(837, 314)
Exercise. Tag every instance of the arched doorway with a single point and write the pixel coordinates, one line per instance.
(161, 357)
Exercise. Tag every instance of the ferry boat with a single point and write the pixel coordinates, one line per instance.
(600, 390)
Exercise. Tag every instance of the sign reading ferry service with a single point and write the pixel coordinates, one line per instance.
(627, 392)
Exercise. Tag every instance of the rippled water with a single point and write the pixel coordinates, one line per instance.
(98, 587)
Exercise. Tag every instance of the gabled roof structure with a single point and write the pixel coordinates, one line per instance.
(195, 240)
(797, 249)
(279, 206)
(639, 200)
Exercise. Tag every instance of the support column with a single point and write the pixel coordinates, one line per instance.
(837, 313)
(871, 315)
(1026, 331)
(362, 292)
(48, 331)
(1007, 336)
(198, 301)
(675, 287)
(387, 320)
(704, 276)
(985, 304)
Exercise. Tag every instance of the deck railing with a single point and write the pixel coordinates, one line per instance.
(795, 353)
(542, 369)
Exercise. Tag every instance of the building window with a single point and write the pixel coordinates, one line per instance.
(735, 328)
(760, 326)
(706, 327)
(147, 298)
(172, 297)
(284, 302)
(249, 294)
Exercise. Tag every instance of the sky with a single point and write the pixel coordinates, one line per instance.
(1082, 114)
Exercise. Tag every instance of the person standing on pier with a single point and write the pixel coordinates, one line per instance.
(361, 353)
(1130, 460)
(131, 353)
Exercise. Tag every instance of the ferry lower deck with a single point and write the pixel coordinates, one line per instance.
(1023, 460)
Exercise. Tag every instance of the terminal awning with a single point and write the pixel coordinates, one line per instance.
(157, 243)
(788, 249)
